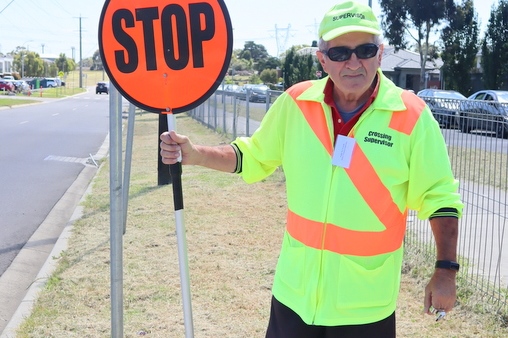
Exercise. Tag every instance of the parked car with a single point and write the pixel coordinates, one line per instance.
(102, 87)
(6, 86)
(257, 92)
(485, 110)
(444, 105)
(21, 85)
(48, 82)
(230, 89)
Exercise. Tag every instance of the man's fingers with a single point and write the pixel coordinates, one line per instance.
(427, 302)
(176, 137)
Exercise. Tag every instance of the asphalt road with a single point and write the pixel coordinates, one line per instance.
(43, 149)
(476, 140)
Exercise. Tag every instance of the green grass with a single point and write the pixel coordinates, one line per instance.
(233, 232)
(13, 102)
(55, 93)
(90, 78)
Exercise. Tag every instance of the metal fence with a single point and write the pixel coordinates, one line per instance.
(233, 113)
(478, 150)
(476, 133)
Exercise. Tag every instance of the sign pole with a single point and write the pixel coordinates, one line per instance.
(176, 176)
(128, 161)
(116, 214)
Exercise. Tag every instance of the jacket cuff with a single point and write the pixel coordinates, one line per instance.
(239, 156)
(445, 212)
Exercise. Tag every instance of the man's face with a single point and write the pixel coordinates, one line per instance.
(352, 77)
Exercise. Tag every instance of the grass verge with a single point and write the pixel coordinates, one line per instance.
(233, 235)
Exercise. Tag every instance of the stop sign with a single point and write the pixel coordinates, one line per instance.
(165, 56)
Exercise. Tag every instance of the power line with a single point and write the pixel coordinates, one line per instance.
(61, 7)
(6, 6)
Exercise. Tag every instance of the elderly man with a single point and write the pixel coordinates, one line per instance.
(355, 151)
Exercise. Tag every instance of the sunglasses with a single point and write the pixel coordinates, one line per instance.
(340, 54)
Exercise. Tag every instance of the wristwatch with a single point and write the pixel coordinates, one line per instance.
(448, 265)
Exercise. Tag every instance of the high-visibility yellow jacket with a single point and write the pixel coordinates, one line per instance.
(342, 250)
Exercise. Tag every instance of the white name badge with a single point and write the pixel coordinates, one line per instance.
(343, 151)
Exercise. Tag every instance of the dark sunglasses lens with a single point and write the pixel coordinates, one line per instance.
(339, 53)
(366, 51)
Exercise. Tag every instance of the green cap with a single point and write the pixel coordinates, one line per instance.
(348, 17)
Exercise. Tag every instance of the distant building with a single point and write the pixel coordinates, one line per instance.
(307, 51)
(49, 57)
(403, 68)
(6, 64)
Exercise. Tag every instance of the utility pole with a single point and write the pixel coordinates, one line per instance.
(80, 56)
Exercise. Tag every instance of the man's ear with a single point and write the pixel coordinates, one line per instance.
(380, 53)
(321, 59)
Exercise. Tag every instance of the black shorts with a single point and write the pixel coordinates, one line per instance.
(285, 323)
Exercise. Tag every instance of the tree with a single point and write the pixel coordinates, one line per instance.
(268, 63)
(29, 64)
(495, 48)
(256, 55)
(297, 68)
(254, 52)
(97, 61)
(269, 76)
(460, 40)
(65, 64)
(414, 19)
(87, 62)
(51, 69)
(432, 51)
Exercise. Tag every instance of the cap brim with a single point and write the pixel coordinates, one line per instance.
(349, 29)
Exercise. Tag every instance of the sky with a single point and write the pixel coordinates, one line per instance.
(51, 27)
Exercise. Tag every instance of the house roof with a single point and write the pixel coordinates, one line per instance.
(307, 51)
(405, 60)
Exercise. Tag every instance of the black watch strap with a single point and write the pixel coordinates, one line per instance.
(448, 265)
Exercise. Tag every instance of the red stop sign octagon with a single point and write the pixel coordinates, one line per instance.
(165, 56)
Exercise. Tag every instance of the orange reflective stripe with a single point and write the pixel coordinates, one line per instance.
(363, 175)
(314, 114)
(344, 241)
(405, 121)
(374, 192)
